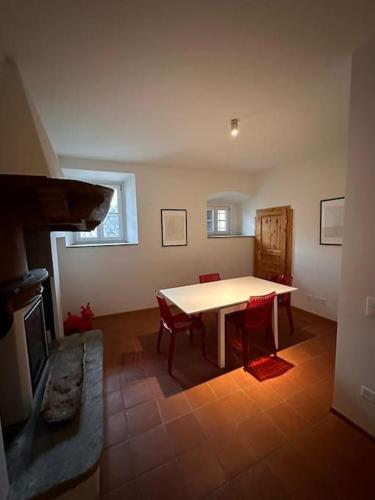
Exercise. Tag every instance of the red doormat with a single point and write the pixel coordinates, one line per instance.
(268, 367)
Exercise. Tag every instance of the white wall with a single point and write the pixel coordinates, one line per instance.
(355, 355)
(24, 149)
(248, 223)
(316, 268)
(3, 468)
(122, 278)
(49, 154)
(24, 144)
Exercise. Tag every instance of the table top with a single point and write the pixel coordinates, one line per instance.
(218, 294)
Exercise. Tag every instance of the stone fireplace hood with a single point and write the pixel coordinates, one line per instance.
(36, 202)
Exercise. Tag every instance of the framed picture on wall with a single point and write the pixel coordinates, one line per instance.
(173, 227)
(332, 221)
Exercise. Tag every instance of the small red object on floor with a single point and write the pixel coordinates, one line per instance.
(79, 324)
(267, 367)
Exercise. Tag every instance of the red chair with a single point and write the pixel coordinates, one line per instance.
(207, 278)
(175, 323)
(257, 316)
(284, 299)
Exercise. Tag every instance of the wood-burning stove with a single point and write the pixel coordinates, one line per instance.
(23, 355)
(36, 339)
(33, 206)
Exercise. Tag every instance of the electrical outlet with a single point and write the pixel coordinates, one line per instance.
(370, 307)
(317, 299)
(368, 394)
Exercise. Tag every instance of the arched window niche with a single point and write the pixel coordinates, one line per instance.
(229, 215)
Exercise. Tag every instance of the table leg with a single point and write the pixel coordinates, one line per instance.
(221, 339)
(275, 323)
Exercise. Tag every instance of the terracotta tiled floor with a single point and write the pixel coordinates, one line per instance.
(208, 433)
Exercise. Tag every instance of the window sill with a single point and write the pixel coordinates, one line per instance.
(90, 245)
(215, 236)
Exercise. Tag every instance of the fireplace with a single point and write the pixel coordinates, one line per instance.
(41, 205)
(30, 208)
(23, 355)
(35, 330)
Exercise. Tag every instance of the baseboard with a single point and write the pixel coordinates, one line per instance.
(352, 424)
(304, 311)
(110, 315)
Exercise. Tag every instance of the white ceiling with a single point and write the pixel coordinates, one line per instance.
(157, 82)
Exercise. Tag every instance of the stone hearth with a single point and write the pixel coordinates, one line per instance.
(47, 461)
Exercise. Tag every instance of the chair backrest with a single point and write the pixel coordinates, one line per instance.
(287, 280)
(207, 278)
(258, 312)
(282, 279)
(165, 312)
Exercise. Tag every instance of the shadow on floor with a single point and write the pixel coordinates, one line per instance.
(190, 368)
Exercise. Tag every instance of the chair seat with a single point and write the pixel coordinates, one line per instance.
(256, 316)
(183, 321)
(174, 324)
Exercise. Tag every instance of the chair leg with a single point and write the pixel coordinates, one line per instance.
(290, 317)
(160, 335)
(172, 342)
(270, 334)
(191, 335)
(245, 351)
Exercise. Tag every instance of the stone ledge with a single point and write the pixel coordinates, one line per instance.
(44, 461)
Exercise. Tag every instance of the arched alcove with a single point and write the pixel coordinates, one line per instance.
(233, 206)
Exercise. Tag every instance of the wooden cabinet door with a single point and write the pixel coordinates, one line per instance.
(273, 241)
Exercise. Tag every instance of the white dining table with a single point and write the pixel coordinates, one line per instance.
(224, 296)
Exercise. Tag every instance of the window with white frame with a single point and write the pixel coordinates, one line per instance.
(218, 220)
(112, 229)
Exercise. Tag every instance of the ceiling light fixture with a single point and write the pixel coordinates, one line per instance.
(234, 127)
